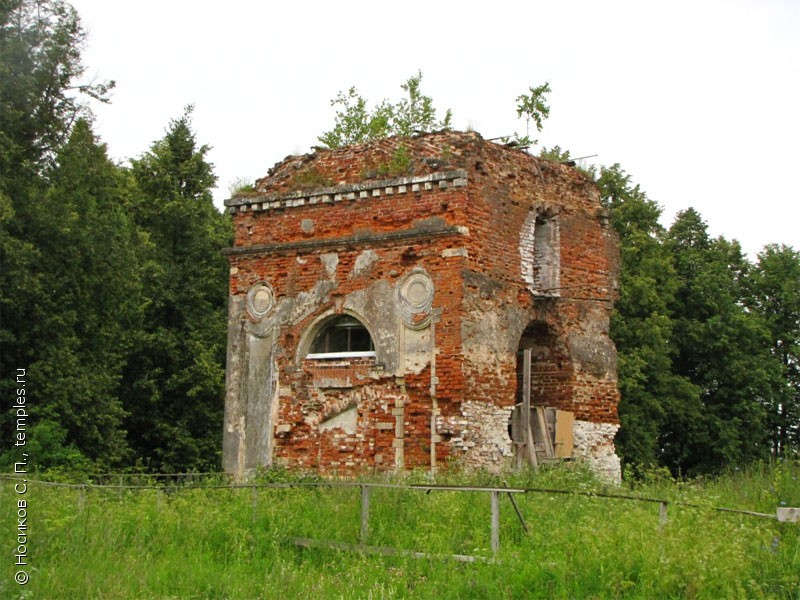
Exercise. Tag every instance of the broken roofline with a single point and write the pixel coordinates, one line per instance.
(347, 231)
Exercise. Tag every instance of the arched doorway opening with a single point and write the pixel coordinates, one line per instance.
(549, 378)
(551, 368)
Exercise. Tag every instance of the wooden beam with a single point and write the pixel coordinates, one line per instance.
(530, 450)
(516, 509)
(548, 444)
(788, 515)
(384, 550)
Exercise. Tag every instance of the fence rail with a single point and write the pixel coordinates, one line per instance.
(495, 493)
(354, 484)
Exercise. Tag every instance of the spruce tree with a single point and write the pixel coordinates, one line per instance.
(40, 319)
(81, 330)
(174, 392)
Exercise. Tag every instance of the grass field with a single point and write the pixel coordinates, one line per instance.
(236, 543)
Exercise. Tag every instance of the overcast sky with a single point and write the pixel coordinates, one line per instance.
(697, 99)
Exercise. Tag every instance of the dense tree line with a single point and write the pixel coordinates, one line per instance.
(708, 341)
(113, 282)
(113, 287)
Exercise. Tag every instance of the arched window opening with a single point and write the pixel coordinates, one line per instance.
(546, 256)
(342, 337)
(541, 254)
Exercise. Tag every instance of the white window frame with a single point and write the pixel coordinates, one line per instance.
(323, 355)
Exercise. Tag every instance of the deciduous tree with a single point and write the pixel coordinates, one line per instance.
(642, 327)
(355, 122)
(775, 295)
(533, 105)
(722, 349)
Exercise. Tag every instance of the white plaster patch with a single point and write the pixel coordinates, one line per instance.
(451, 252)
(330, 261)
(345, 420)
(364, 262)
(417, 349)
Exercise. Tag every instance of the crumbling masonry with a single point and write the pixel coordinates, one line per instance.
(381, 296)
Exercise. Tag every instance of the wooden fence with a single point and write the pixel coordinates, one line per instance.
(186, 481)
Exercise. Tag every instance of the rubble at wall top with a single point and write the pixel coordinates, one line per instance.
(422, 162)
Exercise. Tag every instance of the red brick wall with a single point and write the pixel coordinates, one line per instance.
(484, 303)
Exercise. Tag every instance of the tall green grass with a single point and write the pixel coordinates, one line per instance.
(235, 543)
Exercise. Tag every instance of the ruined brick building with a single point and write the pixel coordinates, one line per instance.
(380, 296)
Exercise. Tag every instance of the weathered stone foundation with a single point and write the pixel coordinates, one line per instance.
(594, 443)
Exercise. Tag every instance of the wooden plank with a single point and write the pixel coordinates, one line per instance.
(516, 425)
(788, 515)
(530, 449)
(544, 432)
(565, 424)
(550, 419)
(518, 437)
(454, 488)
(384, 550)
(526, 389)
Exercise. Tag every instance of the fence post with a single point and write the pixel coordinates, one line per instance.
(255, 502)
(495, 521)
(662, 514)
(365, 491)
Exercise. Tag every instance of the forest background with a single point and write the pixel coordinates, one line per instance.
(113, 289)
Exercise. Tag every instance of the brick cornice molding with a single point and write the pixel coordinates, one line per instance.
(349, 191)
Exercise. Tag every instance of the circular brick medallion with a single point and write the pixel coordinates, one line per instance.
(416, 294)
(260, 300)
